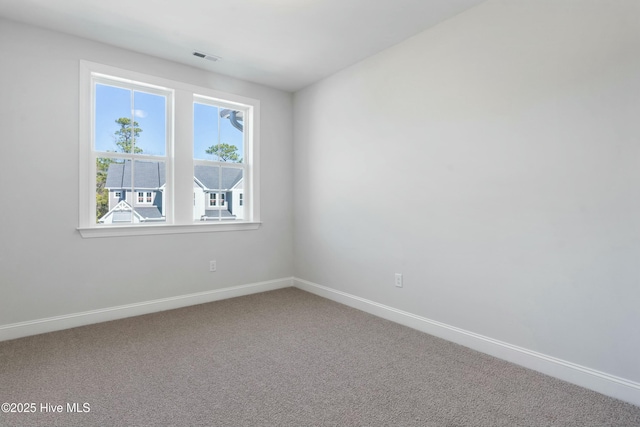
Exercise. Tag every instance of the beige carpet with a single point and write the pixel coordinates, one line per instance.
(281, 358)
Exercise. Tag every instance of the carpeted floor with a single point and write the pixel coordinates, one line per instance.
(280, 358)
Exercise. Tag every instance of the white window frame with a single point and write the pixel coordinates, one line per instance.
(147, 197)
(218, 198)
(179, 157)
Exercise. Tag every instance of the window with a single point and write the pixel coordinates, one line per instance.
(219, 147)
(144, 197)
(160, 140)
(217, 199)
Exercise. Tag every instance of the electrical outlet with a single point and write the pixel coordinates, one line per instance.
(398, 281)
(212, 265)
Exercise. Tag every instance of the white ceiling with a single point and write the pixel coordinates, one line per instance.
(287, 44)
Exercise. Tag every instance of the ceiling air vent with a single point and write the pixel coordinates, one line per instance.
(206, 56)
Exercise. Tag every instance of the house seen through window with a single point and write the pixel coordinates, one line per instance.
(141, 167)
(218, 158)
(131, 139)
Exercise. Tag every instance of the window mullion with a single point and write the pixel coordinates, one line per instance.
(167, 195)
(183, 158)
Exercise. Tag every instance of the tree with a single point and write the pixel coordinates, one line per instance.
(225, 152)
(127, 134)
(102, 195)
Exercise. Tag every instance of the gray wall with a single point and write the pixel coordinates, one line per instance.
(46, 268)
(506, 141)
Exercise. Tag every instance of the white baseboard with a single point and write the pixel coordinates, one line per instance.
(592, 379)
(40, 326)
(601, 382)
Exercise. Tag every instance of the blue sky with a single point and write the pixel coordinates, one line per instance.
(149, 111)
(207, 122)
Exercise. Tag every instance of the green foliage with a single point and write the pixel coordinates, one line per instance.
(225, 152)
(102, 194)
(127, 135)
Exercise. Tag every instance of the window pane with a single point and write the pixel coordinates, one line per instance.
(233, 184)
(117, 201)
(150, 115)
(109, 191)
(149, 180)
(216, 193)
(112, 104)
(231, 136)
(117, 108)
(205, 188)
(205, 131)
(217, 134)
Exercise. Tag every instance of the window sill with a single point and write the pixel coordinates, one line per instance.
(152, 229)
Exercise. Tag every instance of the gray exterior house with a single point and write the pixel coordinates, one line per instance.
(220, 192)
(217, 193)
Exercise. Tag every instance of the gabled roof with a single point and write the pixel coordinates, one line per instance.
(149, 212)
(148, 175)
(209, 177)
(152, 175)
(122, 213)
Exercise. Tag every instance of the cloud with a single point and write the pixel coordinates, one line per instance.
(141, 114)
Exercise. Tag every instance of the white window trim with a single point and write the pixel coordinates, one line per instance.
(180, 220)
